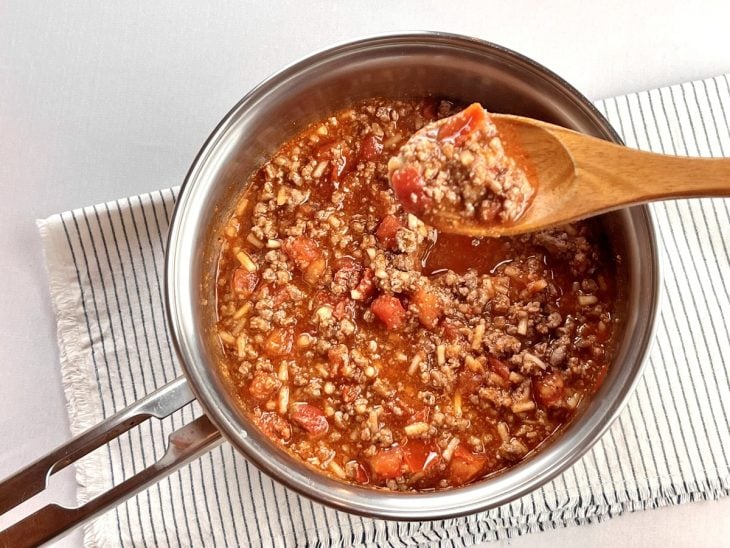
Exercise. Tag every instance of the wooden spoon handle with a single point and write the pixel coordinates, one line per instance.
(629, 176)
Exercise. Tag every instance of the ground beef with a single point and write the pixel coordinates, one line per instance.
(385, 353)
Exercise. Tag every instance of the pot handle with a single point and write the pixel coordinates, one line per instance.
(185, 444)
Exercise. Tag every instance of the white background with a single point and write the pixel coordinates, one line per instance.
(100, 100)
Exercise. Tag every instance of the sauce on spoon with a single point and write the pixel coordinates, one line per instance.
(474, 174)
(461, 167)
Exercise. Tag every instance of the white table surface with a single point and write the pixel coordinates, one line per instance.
(100, 100)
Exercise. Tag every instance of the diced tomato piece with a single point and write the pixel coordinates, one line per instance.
(420, 456)
(347, 272)
(429, 307)
(459, 126)
(263, 385)
(302, 251)
(244, 282)
(386, 463)
(470, 382)
(366, 286)
(274, 425)
(549, 389)
(361, 475)
(466, 466)
(408, 187)
(370, 148)
(499, 367)
(310, 418)
(386, 231)
(278, 343)
(390, 311)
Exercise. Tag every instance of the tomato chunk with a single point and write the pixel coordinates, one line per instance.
(302, 250)
(420, 456)
(429, 307)
(465, 465)
(386, 463)
(370, 148)
(386, 231)
(459, 126)
(278, 343)
(549, 389)
(408, 187)
(244, 282)
(310, 418)
(390, 311)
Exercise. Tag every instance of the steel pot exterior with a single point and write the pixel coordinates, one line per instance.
(413, 64)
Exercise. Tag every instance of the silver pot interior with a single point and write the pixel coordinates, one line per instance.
(417, 65)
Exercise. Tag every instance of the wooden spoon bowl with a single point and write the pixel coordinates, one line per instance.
(579, 176)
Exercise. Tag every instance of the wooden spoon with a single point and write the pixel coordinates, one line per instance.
(580, 176)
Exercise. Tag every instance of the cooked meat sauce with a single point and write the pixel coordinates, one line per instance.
(458, 166)
(382, 352)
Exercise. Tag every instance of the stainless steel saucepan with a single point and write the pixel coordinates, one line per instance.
(414, 64)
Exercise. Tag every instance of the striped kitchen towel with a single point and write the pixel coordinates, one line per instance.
(670, 444)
